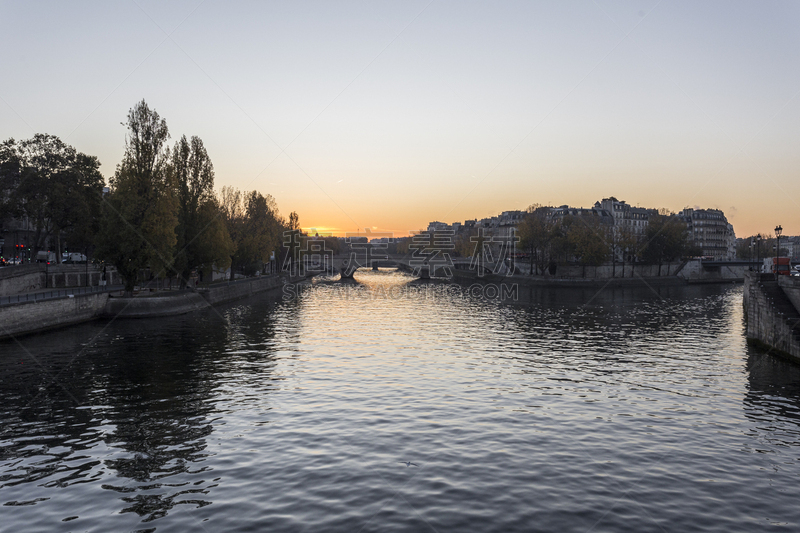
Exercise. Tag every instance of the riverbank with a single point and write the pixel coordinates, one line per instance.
(771, 314)
(541, 281)
(588, 283)
(22, 279)
(686, 272)
(33, 316)
(178, 303)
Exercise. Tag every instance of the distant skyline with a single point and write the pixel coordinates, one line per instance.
(391, 115)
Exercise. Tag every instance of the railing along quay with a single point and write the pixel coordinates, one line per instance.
(56, 294)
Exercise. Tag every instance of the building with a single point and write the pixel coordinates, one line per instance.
(710, 231)
(437, 226)
(18, 240)
(596, 213)
(627, 218)
(707, 229)
(792, 247)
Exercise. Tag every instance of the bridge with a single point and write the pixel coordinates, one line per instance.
(426, 268)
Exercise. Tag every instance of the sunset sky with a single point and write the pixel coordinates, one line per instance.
(389, 115)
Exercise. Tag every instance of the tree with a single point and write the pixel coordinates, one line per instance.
(589, 245)
(293, 240)
(10, 176)
(216, 246)
(254, 226)
(76, 206)
(54, 187)
(561, 248)
(627, 242)
(140, 212)
(264, 227)
(201, 236)
(666, 239)
(535, 233)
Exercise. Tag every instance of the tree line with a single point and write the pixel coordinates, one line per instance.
(549, 241)
(760, 246)
(160, 214)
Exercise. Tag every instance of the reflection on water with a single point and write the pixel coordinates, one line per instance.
(571, 409)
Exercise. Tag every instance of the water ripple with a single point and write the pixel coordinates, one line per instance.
(567, 410)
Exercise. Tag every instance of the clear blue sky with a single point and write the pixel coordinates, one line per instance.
(392, 114)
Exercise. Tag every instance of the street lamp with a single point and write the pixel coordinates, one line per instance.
(778, 231)
(758, 251)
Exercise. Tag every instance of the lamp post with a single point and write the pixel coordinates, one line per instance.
(778, 231)
(758, 251)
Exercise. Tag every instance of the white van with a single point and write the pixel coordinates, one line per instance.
(73, 258)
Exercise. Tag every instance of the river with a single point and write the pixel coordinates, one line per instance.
(388, 404)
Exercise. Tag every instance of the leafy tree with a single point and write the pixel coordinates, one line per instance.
(587, 239)
(561, 246)
(254, 226)
(201, 235)
(76, 205)
(694, 251)
(54, 187)
(535, 233)
(10, 176)
(294, 221)
(666, 239)
(217, 247)
(293, 240)
(627, 242)
(403, 242)
(140, 213)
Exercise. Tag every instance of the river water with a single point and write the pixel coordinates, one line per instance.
(563, 410)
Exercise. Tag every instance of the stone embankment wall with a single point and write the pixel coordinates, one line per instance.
(772, 318)
(34, 316)
(692, 271)
(608, 271)
(30, 317)
(791, 288)
(145, 306)
(241, 289)
(28, 278)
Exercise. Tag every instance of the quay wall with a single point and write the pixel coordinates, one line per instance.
(241, 289)
(34, 277)
(609, 271)
(791, 288)
(771, 323)
(153, 306)
(35, 316)
(188, 301)
(692, 271)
